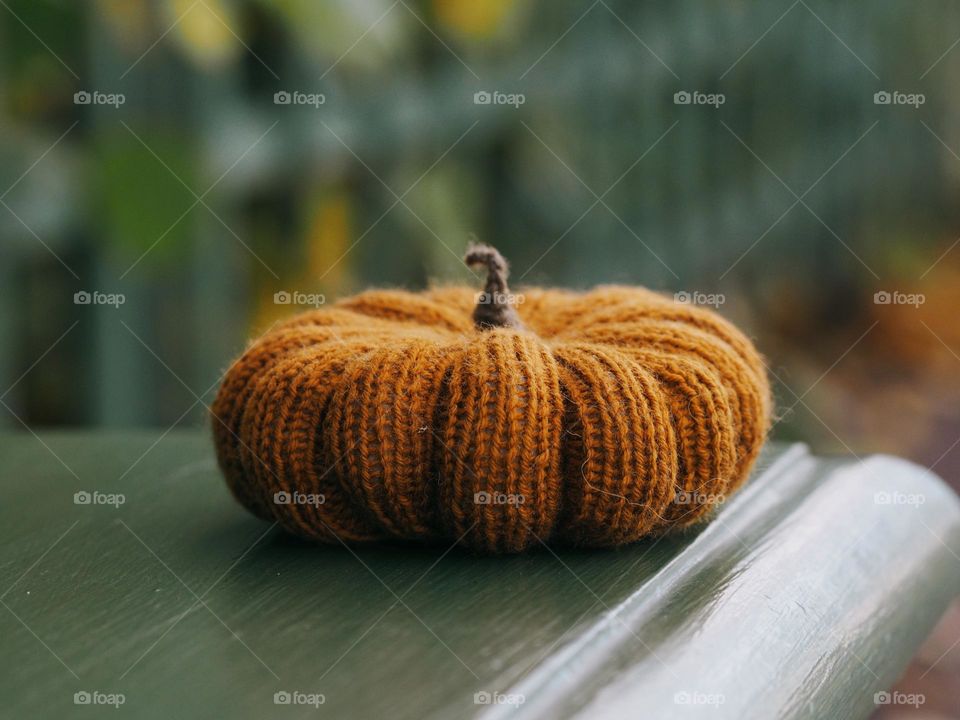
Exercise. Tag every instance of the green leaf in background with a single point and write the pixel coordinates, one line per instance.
(141, 201)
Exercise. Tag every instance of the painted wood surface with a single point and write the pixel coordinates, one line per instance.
(807, 594)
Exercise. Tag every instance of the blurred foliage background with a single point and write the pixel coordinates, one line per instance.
(199, 197)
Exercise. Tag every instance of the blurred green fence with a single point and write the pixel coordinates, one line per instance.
(199, 196)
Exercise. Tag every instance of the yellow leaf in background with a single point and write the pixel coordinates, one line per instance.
(128, 22)
(365, 34)
(328, 240)
(266, 312)
(473, 17)
(208, 31)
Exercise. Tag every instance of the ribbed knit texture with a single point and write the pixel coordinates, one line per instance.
(607, 416)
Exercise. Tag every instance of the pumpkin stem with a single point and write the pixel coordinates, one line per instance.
(495, 304)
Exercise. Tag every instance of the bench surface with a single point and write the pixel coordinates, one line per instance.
(808, 593)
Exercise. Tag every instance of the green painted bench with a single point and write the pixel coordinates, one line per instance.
(131, 579)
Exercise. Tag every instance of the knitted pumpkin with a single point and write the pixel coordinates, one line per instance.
(590, 419)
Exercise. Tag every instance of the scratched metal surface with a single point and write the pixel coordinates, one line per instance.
(804, 597)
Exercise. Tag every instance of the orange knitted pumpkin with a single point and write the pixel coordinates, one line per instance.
(590, 419)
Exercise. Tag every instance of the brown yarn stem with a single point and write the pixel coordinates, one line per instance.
(493, 307)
